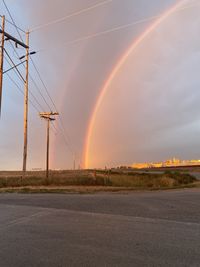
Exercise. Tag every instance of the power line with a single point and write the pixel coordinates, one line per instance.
(21, 91)
(13, 24)
(68, 146)
(91, 36)
(71, 15)
(30, 101)
(20, 88)
(54, 129)
(16, 68)
(17, 73)
(38, 89)
(73, 151)
(44, 85)
(33, 81)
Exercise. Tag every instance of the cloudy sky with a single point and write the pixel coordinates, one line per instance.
(150, 110)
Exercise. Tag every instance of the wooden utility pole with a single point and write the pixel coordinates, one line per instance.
(48, 116)
(26, 106)
(4, 37)
(74, 162)
(47, 155)
(1, 59)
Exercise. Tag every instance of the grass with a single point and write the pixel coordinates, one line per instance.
(92, 181)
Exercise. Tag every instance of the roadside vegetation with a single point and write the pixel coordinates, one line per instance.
(102, 180)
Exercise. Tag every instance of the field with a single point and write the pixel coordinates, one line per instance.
(95, 180)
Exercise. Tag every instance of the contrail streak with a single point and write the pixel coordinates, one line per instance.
(91, 36)
(71, 15)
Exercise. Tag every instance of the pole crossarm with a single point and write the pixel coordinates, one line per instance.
(15, 40)
(47, 115)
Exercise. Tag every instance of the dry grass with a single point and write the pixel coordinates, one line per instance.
(60, 180)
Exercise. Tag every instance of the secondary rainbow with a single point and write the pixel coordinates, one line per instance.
(116, 69)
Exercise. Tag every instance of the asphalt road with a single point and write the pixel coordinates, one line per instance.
(135, 229)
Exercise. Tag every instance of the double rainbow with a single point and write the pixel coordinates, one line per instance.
(115, 71)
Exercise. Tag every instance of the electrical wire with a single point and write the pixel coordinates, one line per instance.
(44, 85)
(13, 24)
(54, 129)
(13, 64)
(30, 101)
(40, 92)
(35, 99)
(21, 91)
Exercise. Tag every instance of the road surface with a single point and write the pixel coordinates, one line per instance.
(134, 229)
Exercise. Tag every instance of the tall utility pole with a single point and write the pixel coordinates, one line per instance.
(47, 154)
(1, 59)
(48, 117)
(26, 106)
(74, 163)
(4, 37)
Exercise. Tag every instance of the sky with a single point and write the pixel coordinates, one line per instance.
(150, 110)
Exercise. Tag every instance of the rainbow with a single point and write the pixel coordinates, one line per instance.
(116, 69)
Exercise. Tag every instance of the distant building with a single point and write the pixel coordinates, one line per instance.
(174, 162)
(141, 165)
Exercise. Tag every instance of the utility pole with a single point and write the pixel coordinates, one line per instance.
(74, 162)
(26, 106)
(7, 37)
(47, 155)
(48, 117)
(1, 59)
